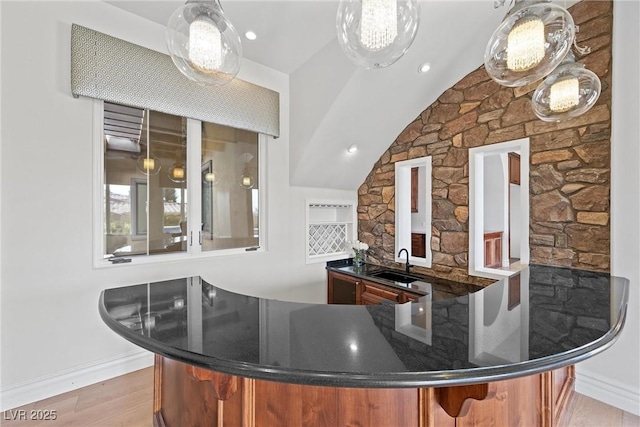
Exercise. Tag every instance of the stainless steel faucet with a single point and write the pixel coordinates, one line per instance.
(407, 266)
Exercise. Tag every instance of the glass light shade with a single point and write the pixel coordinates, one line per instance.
(148, 165)
(177, 173)
(376, 33)
(203, 44)
(571, 90)
(532, 40)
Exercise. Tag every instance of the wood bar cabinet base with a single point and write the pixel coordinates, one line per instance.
(186, 396)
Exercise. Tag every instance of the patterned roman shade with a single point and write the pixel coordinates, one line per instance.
(115, 70)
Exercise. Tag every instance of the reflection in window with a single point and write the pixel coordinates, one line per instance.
(145, 181)
(230, 188)
(146, 186)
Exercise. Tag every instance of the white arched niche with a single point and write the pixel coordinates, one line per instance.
(497, 206)
(419, 221)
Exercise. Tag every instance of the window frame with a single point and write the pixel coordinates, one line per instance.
(193, 192)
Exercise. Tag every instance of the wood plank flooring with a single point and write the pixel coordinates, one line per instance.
(126, 401)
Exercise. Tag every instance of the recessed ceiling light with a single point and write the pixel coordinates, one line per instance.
(250, 35)
(352, 148)
(424, 67)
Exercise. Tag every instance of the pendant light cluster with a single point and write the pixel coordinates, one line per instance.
(376, 33)
(203, 44)
(206, 48)
(533, 41)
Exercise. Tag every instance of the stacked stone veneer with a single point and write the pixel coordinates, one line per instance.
(569, 170)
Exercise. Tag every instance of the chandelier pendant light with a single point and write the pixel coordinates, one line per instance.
(379, 26)
(532, 40)
(376, 33)
(564, 95)
(569, 91)
(525, 44)
(203, 44)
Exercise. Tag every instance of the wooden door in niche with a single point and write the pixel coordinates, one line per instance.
(414, 190)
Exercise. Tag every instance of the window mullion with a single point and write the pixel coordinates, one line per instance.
(194, 185)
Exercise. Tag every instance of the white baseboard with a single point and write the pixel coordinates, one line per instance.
(608, 391)
(62, 382)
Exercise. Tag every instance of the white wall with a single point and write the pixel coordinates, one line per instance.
(49, 291)
(614, 375)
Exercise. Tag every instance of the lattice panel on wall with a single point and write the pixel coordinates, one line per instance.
(325, 239)
(330, 226)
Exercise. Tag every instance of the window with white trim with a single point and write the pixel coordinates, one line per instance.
(172, 185)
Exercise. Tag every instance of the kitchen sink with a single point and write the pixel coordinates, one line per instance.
(394, 276)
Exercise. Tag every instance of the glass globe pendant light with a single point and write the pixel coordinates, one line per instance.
(569, 91)
(376, 33)
(532, 40)
(203, 44)
(148, 165)
(246, 180)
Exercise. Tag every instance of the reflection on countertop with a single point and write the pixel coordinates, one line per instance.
(546, 318)
(440, 288)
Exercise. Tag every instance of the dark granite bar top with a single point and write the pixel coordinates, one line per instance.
(542, 319)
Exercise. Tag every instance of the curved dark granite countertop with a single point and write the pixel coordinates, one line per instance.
(542, 319)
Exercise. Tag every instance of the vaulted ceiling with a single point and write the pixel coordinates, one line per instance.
(335, 104)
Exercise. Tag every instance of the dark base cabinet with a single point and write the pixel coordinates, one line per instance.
(187, 396)
(345, 289)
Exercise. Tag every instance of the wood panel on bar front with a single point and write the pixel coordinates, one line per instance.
(186, 397)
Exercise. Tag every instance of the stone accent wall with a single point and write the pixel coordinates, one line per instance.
(569, 170)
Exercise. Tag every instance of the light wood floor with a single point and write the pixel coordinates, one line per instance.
(126, 401)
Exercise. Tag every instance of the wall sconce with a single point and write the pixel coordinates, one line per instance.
(148, 165)
(532, 40)
(203, 44)
(376, 33)
(569, 91)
